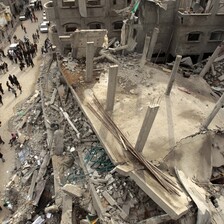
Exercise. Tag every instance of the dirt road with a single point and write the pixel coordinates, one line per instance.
(28, 79)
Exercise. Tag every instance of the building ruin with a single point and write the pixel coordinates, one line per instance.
(125, 140)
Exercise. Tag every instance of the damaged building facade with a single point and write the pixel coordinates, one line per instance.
(69, 16)
(189, 28)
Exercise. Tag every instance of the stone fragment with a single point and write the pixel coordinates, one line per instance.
(221, 78)
(110, 200)
(73, 190)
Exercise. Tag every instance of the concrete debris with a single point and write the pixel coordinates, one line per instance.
(72, 190)
(109, 198)
(39, 220)
(214, 76)
(51, 209)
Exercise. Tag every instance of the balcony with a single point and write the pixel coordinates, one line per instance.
(49, 8)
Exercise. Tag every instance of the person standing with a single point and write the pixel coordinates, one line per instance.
(24, 28)
(1, 141)
(5, 65)
(21, 65)
(9, 87)
(1, 157)
(2, 52)
(19, 87)
(11, 79)
(1, 89)
(1, 99)
(9, 39)
(13, 139)
(31, 61)
(15, 80)
(14, 92)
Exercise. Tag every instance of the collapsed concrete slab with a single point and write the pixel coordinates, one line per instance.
(175, 206)
(66, 217)
(204, 215)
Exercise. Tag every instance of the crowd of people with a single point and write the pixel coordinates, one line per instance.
(21, 54)
(24, 52)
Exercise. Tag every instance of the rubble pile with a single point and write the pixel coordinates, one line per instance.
(215, 77)
(122, 199)
(31, 151)
(63, 174)
(49, 124)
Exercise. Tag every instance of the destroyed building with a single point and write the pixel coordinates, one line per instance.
(122, 140)
(97, 164)
(188, 28)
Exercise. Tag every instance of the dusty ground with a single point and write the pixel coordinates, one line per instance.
(28, 79)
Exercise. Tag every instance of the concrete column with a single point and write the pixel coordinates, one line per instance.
(211, 116)
(89, 61)
(173, 74)
(146, 127)
(145, 51)
(211, 59)
(111, 89)
(153, 43)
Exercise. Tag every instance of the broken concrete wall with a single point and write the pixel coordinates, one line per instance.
(100, 16)
(80, 38)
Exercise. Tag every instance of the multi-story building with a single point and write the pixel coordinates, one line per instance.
(188, 27)
(69, 15)
(199, 31)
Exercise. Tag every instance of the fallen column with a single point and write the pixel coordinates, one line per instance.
(146, 127)
(66, 217)
(89, 61)
(153, 43)
(111, 89)
(173, 74)
(211, 116)
(109, 57)
(211, 59)
(33, 182)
